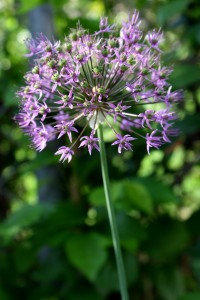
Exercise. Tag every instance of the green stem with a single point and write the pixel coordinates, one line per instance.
(112, 219)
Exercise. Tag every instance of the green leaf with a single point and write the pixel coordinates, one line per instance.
(10, 98)
(170, 9)
(185, 75)
(107, 280)
(24, 257)
(160, 193)
(126, 194)
(42, 159)
(22, 218)
(26, 6)
(167, 238)
(195, 263)
(56, 228)
(170, 283)
(3, 294)
(190, 296)
(87, 253)
(97, 197)
(190, 124)
(84, 294)
(138, 195)
(131, 231)
(131, 267)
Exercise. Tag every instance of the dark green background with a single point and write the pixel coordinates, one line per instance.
(54, 235)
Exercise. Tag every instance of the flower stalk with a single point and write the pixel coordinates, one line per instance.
(111, 216)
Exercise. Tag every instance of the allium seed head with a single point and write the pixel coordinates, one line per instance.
(112, 77)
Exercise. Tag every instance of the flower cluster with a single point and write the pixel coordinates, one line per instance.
(112, 77)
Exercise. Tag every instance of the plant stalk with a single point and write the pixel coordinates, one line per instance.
(111, 216)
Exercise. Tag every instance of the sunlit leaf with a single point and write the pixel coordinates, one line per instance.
(26, 6)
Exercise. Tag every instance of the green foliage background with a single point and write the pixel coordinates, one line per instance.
(55, 240)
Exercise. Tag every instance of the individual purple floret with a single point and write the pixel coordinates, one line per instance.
(65, 127)
(112, 77)
(154, 39)
(90, 142)
(153, 141)
(66, 153)
(123, 142)
(104, 26)
(40, 137)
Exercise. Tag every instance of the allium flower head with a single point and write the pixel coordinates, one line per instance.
(113, 77)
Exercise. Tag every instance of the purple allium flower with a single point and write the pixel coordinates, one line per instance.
(112, 77)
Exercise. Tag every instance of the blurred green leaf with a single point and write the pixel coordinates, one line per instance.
(10, 98)
(130, 228)
(170, 9)
(52, 267)
(24, 257)
(87, 294)
(193, 227)
(131, 268)
(107, 280)
(185, 75)
(87, 253)
(26, 6)
(195, 263)
(159, 192)
(3, 294)
(42, 159)
(137, 194)
(190, 124)
(57, 227)
(25, 216)
(130, 231)
(97, 197)
(170, 283)
(126, 194)
(190, 296)
(170, 237)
